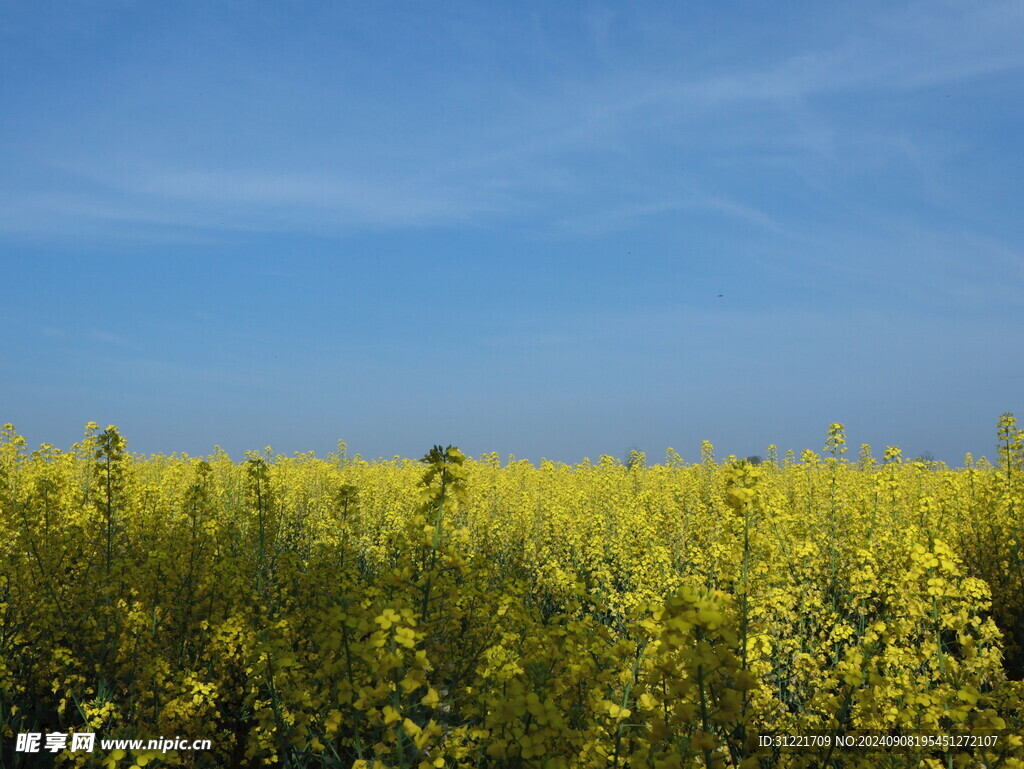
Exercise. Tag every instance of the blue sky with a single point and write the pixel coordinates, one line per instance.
(507, 226)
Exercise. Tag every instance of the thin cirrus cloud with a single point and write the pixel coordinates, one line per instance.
(299, 198)
(247, 201)
(608, 142)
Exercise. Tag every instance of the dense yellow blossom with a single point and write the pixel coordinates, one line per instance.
(458, 612)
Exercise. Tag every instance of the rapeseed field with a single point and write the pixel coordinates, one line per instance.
(457, 612)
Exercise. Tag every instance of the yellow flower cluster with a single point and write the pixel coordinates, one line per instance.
(459, 612)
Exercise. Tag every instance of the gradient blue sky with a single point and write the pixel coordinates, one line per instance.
(506, 226)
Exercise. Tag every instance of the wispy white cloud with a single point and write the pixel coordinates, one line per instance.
(553, 147)
(255, 200)
(604, 221)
